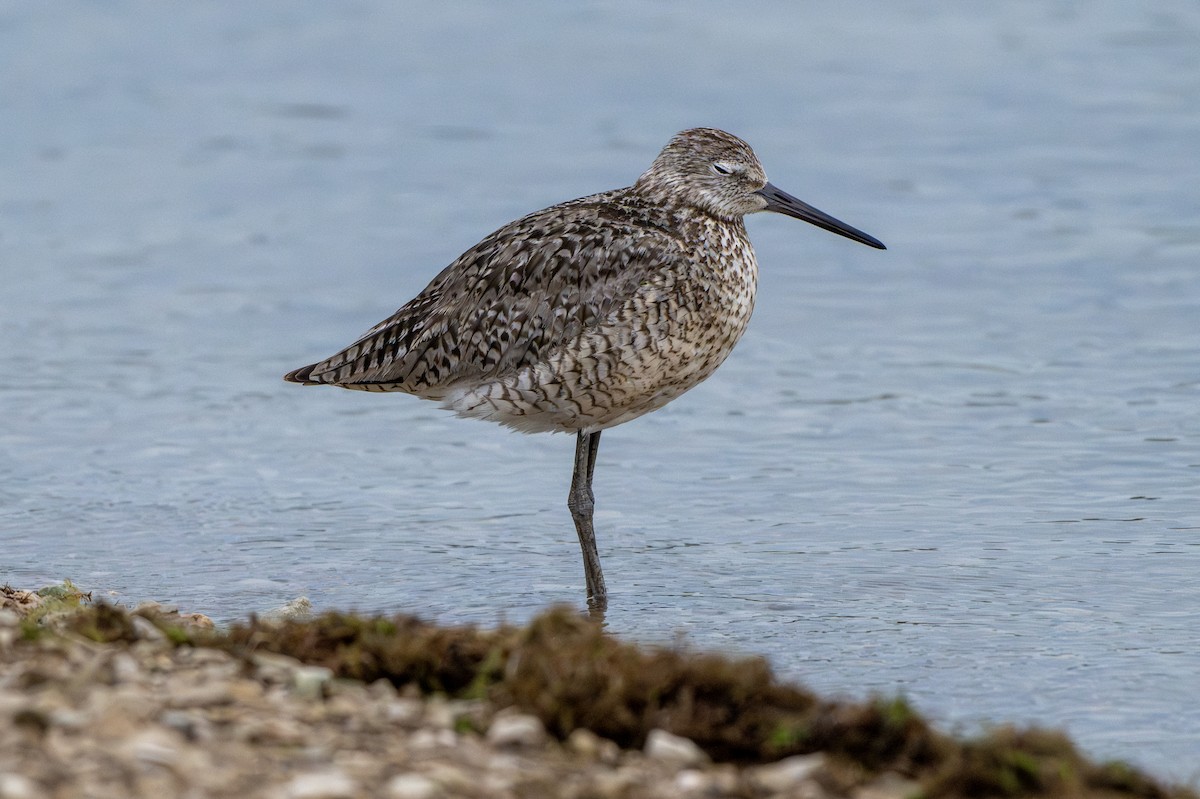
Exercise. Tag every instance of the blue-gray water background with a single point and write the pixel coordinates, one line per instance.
(965, 469)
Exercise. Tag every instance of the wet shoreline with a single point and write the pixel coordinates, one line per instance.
(152, 702)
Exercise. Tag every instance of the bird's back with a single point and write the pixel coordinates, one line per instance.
(579, 316)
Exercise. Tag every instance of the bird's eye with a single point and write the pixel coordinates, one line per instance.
(721, 169)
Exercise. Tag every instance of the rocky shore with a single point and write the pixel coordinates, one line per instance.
(97, 701)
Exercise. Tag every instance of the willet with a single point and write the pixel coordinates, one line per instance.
(589, 313)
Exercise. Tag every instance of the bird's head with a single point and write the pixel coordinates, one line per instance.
(718, 173)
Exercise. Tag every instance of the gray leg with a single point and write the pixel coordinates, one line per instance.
(581, 502)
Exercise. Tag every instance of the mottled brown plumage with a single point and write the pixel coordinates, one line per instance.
(589, 313)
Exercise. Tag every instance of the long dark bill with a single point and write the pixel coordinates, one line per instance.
(781, 202)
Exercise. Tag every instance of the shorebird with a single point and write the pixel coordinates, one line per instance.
(589, 313)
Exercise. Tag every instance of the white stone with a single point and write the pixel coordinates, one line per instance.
(321, 785)
(154, 746)
(412, 786)
(298, 609)
(888, 786)
(665, 747)
(382, 689)
(584, 742)
(146, 629)
(517, 730)
(438, 713)
(310, 681)
(426, 738)
(691, 782)
(787, 774)
(405, 711)
(67, 719)
(124, 667)
(18, 786)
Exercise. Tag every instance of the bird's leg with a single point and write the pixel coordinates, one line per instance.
(593, 448)
(581, 501)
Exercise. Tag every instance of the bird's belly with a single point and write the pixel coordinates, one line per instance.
(636, 363)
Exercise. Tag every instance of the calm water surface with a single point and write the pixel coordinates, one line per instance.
(965, 469)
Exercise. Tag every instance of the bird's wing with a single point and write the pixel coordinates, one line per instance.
(529, 287)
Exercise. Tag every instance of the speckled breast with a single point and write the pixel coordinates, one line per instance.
(675, 328)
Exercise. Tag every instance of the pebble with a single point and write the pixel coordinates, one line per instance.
(584, 742)
(691, 782)
(454, 778)
(297, 609)
(245, 690)
(785, 775)
(274, 668)
(274, 731)
(203, 655)
(321, 785)
(411, 786)
(888, 786)
(124, 667)
(18, 786)
(199, 621)
(191, 726)
(438, 713)
(67, 719)
(209, 695)
(668, 748)
(146, 630)
(311, 682)
(426, 738)
(516, 730)
(154, 746)
(382, 689)
(405, 711)
(725, 780)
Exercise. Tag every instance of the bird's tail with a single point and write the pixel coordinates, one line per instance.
(303, 375)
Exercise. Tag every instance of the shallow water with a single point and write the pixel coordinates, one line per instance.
(964, 469)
